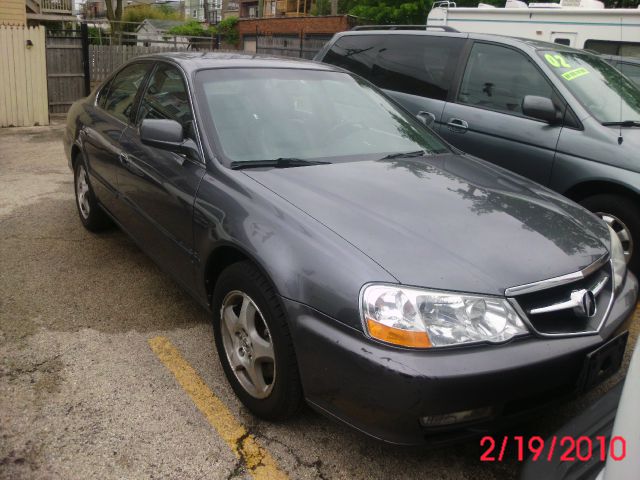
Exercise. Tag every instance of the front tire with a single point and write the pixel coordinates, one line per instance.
(254, 343)
(623, 216)
(91, 214)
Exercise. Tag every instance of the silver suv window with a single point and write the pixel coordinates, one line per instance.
(498, 78)
(600, 88)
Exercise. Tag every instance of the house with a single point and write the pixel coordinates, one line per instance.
(206, 11)
(95, 9)
(230, 8)
(275, 8)
(47, 10)
(154, 32)
(12, 12)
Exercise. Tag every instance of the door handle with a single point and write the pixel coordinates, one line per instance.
(457, 125)
(124, 159)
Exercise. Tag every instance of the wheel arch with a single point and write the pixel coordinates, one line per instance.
(588, 188)
(222, 257)
(75, 153)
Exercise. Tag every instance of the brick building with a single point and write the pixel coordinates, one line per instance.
(291, 36)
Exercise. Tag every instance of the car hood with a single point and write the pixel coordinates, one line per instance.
(446, 221)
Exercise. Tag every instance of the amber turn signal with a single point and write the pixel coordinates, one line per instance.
(398, 336)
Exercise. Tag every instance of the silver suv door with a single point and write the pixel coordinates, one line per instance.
(417, 70)
(486, 118)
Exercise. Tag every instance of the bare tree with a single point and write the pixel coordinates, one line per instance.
(114, 16)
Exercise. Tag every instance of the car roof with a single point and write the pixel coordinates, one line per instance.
(192, 61)
(514, 41)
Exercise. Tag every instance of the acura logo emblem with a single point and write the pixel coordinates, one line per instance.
(585, 303)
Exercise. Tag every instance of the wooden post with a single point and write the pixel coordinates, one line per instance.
(84, 34)
(301, 40)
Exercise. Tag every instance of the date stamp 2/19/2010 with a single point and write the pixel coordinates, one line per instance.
(563, 449)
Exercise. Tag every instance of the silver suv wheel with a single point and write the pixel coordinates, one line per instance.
(624, 234)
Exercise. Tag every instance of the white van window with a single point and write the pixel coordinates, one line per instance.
(498, 78)
(607, 47)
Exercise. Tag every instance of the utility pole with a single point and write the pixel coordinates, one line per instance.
(334, 7)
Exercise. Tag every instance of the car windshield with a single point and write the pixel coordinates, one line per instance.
(608, 95)
(271, 113)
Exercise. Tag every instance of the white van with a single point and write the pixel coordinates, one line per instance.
(574, 23)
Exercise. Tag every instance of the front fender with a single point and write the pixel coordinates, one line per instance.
(305, 261)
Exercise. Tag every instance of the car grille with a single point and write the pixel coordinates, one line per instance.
(559, 310)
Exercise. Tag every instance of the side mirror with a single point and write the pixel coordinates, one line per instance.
(167, 135)
(541, 108)
(427, 118)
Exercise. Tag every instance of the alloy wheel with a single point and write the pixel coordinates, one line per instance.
(624, 234)
(82, 193)
(247, 343)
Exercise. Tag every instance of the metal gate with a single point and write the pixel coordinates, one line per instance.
(67, 68)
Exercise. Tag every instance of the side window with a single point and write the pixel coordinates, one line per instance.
(631, 71)
(124, 87)
(562, 41)
(417, 64)
(355, 53)
(166, 98)
(499, 78)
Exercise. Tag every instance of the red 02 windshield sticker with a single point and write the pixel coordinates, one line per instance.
(563, 449)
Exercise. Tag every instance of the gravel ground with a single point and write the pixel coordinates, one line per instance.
(83, 396)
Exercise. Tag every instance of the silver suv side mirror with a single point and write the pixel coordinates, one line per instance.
(427, 118)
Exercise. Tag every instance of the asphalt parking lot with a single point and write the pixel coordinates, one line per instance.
(108, 370)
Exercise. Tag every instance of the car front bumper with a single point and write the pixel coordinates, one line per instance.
(384, 391)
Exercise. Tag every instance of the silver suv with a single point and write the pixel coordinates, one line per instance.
(562, 117)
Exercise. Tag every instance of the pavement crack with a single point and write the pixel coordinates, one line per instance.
(316, 465)
(17, 372)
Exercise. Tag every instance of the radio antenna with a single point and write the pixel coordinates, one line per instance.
(620, 139)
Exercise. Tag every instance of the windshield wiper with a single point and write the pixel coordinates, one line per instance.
(282, 162)
(417, 153)
(623, 123)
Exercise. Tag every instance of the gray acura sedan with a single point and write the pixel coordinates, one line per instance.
(348, 255)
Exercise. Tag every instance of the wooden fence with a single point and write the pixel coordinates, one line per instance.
(65, 71)
(300, 47)
(23, 77)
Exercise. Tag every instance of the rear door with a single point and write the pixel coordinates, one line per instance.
(158, 186)
(486, 120)
(101, 136)
(417, 70)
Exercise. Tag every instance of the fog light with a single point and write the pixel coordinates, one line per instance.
(456, 417)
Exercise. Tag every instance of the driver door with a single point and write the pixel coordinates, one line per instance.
(159, 186)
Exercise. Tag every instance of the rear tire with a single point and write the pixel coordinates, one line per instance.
(623, 215)
(91, 214)
(254, 343)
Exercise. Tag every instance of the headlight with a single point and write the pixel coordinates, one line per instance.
(617, 260)
(422, 318)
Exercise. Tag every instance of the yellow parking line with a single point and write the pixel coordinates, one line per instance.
(258, 462)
